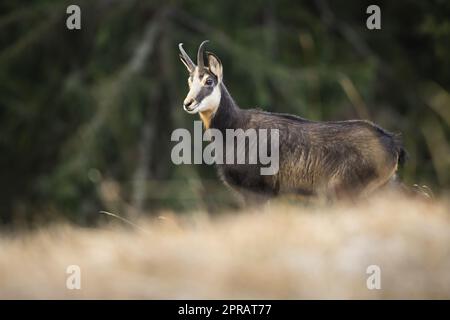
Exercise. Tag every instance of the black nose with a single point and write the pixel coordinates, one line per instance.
(189, 103)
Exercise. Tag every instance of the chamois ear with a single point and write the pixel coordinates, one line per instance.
(215, 66)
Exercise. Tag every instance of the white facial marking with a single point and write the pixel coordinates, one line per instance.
(210, 102)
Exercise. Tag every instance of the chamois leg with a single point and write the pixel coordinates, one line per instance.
(253, 199)
(247, 198)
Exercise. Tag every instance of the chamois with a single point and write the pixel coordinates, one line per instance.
(332, 159)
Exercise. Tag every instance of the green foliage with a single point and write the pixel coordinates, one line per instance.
(86, 116)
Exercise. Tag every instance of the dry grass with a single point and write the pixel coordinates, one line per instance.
(281, 251)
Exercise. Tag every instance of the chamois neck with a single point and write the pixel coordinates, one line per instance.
(228, 113)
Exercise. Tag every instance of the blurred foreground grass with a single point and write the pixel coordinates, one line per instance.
(279, 251)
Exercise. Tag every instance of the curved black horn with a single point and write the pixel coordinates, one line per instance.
(201, 49)
(186, 57)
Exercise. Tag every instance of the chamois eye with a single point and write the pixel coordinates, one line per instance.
(209, 82)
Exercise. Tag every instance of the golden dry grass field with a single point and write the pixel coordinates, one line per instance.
(281, 251)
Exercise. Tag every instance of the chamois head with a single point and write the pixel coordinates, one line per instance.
(204, 81)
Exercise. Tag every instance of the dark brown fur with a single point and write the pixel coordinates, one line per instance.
(341, 158)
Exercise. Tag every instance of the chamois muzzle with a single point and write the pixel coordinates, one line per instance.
(188, 104)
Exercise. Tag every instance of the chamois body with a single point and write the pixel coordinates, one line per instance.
(338, 158)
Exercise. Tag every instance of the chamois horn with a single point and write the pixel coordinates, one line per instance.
(186, 57)
(200, 58)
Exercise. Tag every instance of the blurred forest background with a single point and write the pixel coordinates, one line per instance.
(86, 115)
